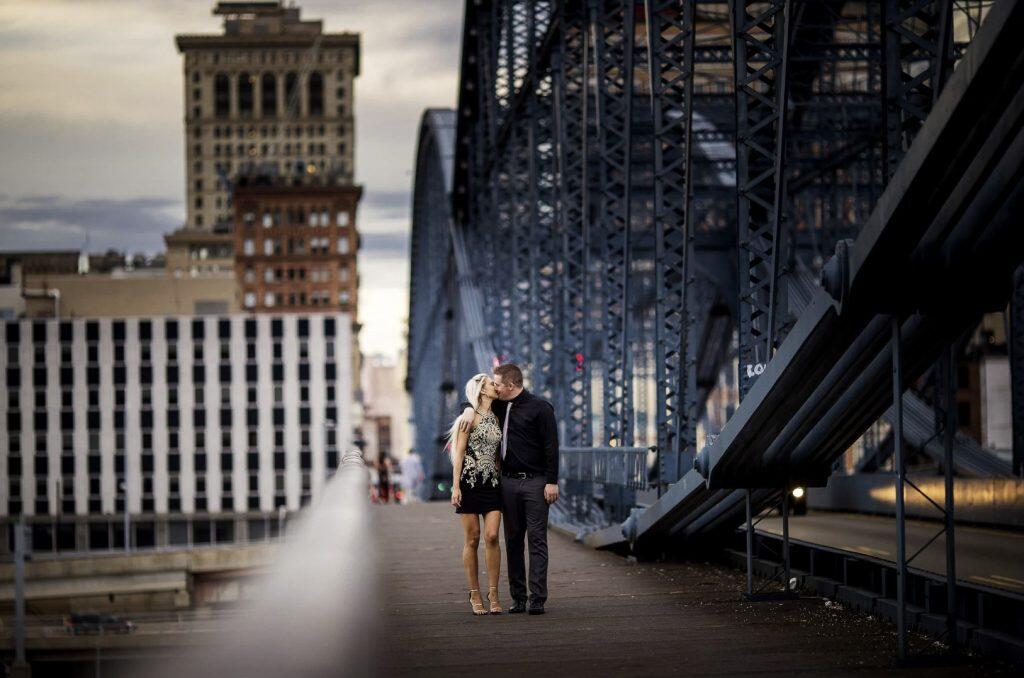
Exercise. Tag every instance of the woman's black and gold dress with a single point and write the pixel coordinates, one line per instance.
(479, 481)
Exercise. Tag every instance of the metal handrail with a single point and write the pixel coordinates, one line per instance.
(620, 466)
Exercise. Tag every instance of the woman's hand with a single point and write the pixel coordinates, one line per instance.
(456, 497)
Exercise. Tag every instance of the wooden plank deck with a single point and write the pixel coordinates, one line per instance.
(606, 615)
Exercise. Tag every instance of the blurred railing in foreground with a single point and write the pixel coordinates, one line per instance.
(312, 615)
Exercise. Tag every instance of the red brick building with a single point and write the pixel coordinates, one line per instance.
(295, 246)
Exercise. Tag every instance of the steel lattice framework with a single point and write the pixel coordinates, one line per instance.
(635, 180)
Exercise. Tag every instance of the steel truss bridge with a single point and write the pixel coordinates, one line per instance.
(728, 241)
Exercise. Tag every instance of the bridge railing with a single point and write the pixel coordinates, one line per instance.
(620, 466)
(600, 484)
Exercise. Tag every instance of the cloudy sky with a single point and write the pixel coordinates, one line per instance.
(91, 130)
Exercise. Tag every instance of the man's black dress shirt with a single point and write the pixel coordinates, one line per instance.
(532, 445)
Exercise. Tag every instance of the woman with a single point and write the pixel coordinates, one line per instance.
(475, 490)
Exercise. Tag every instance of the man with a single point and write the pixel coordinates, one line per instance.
(529, 483)
(412, 476)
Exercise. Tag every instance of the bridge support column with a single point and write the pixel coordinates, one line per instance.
(950, 434)
(750, 546)
(899, 463)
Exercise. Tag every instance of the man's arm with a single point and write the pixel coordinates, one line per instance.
(466, 419)
(549, 433)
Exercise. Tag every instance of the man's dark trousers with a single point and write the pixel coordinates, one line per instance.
(526, 515)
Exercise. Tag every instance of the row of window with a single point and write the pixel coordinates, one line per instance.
(266, 150)
(316, 298)
(146, 398)
(272, 102)
(38, 331)
(266, 56)
(284, 168)
(277, 246)
(314, 216)
(250, 131)
(291, 274)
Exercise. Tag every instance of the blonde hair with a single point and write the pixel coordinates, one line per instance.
(473, 388)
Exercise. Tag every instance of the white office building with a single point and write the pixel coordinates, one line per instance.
(208, 428)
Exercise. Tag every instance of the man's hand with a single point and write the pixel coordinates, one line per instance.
(551, 493)
(466, 420)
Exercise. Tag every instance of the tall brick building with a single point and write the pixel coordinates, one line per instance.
(271, 94)
(295, 246)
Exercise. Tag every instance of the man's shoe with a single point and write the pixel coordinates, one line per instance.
(518, 607)
(536, 607)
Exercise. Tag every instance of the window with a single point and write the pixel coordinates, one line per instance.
(342, 245)
(291, 83)
(268, 299)
(221, 95)
(247, 247)
(245, 90)
(342, 218)
(268, 246)
(268, 95)
(250, 275)
(250, 299)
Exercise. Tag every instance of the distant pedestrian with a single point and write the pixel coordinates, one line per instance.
(383, 478)
(412, 476)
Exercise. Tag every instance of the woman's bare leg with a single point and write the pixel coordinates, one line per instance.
(492, 551)
(471, 528)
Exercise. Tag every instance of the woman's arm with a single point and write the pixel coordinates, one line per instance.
(458, 455)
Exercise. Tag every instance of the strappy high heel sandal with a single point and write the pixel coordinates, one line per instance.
(495, 605)
(478, 608)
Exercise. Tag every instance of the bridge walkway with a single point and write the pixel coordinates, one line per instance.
(607, 615)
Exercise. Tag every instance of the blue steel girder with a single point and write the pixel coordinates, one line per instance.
(613, 28)
(760, 41)
(918, 56)
(571, 109)
(671, 37)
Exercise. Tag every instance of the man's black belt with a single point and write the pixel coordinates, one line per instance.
(521, 475)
